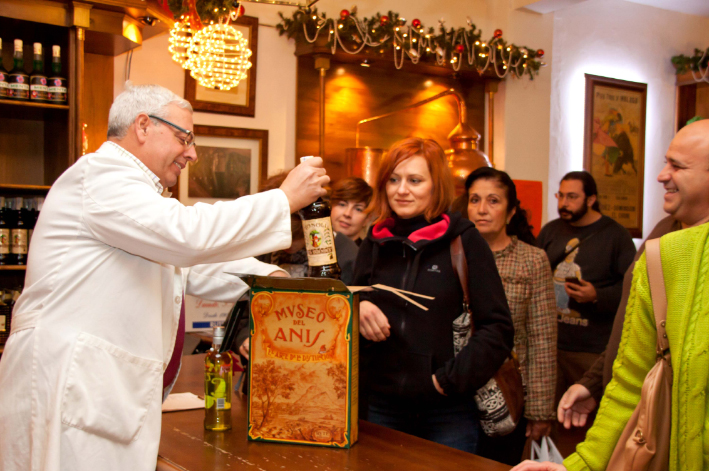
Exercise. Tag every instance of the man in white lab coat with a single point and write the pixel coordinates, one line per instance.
(81, 378)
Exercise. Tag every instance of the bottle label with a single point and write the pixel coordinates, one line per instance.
(56, 91)
(38, 88)
(3, 321)
(19, 241)
(18, 86)
(4, 241)
(319, 242)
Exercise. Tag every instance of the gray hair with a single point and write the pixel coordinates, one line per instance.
(137, 99)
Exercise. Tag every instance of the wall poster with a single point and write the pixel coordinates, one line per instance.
(614, 147)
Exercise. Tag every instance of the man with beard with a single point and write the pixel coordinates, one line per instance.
(601, 250)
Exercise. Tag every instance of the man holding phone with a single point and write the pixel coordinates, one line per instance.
(589, 253)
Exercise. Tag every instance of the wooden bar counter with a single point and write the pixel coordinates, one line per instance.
(186, 445)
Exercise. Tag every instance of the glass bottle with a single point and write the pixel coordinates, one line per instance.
(3, 76)
(17, 80)
(38, 81)
(19, 234)
(28, 214)
(319, 239)
(57, 84)
(6, 257)
(218, 370)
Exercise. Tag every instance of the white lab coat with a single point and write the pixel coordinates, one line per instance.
(94, 329)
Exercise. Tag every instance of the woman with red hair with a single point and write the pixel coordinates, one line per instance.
(412, 380)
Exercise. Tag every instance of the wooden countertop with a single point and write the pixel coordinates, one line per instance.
(186, 445)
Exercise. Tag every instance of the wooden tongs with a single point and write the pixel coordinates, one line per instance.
(399, 292)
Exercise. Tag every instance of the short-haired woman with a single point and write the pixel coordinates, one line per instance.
(349, 199)
(494, 208)
(411, 378)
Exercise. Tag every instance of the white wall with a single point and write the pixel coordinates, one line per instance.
(625, 41)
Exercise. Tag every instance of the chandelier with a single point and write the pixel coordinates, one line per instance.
(217, 55)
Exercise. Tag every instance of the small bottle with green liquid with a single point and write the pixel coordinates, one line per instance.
(218, 369)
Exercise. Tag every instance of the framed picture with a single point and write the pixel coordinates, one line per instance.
(614, 147)
(230, 163)
(240, 100)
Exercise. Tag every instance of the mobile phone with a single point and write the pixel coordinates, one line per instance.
(573, 280)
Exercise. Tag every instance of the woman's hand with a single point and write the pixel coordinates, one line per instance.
(438, 386)
(373, 324)
(534, 466)
(537, 429)
(245, 349)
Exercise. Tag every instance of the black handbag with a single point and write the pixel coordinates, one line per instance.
(501, 401)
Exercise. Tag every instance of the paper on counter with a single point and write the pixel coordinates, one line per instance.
(182, 401)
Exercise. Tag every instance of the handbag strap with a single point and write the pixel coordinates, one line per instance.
(657, 291)
(460, 265)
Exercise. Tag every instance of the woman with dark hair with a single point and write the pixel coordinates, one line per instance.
(349, 199)
(494, 208)
(411, 379)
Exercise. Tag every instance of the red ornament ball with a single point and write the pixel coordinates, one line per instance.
(416, 23)
(459, 48)
(240, 10)
(498, 33)
(384, 20)
(540, 52)
(344, 14)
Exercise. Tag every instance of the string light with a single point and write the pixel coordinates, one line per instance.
(180, 38)
(218, 57)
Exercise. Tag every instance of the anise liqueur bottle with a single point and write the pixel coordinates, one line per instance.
(18, 82)
(3, 76)
(218, 370)
(19, 234)
(5, 227)
(57, 89)
(319, 239)
(39, 91)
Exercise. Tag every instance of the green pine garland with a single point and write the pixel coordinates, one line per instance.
(208, 10)
(683, 64)
(378, 29)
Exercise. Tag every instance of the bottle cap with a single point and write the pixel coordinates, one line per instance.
(55, 51)
(37, 48)
(219, 332)
(18, 45)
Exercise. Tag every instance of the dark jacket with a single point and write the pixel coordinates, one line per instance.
(414, 255)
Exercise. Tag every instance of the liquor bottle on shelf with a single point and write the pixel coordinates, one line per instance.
(319, 239)
(57, 84)
(38, 81)
(28, 208)
(218, 370)
(3, 76)
(6, 257)
(17, 80)
(19, 234)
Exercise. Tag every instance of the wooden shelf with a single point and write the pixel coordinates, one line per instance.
(23, 188)
(34, 105)
(13, 267)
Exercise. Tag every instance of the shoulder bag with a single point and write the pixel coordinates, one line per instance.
(501, 401)
(644, 444)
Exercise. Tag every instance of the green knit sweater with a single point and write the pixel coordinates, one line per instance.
(685, 262)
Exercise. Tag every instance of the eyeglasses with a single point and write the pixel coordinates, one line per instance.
(187, 141)
(569, 196)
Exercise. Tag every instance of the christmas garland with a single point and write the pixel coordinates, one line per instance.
(208, 11)
(699, 61)
(445, 47)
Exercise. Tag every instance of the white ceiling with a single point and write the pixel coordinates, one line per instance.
(692, 7)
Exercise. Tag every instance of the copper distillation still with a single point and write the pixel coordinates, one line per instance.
(463, 156)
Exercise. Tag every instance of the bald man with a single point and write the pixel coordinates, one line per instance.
(685, 178)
